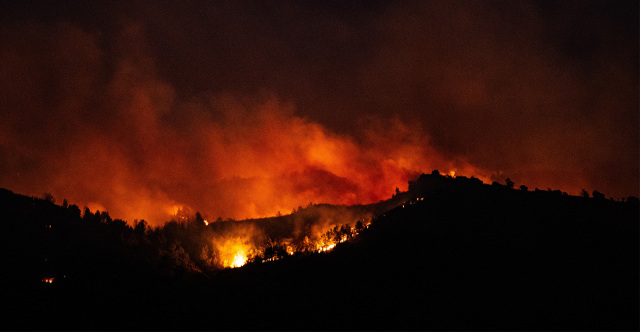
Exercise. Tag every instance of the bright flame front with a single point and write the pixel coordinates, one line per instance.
(238, 260)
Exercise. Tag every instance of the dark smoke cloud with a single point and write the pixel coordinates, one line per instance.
(497, 84)
(246, 109)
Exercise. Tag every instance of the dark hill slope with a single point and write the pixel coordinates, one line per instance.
(97, 281)
(468, 256)
(285, 226)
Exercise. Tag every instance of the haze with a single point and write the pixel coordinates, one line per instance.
(244, 109)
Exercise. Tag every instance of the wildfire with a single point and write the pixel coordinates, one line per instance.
(179, 212)
(48, 280)
(238, 260)
(240, 243)
(233, 252)
(326, 248)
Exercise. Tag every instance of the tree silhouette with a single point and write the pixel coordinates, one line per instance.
(74, 210)
(139, 229)
(273, 250)
(510, 184)
(206, 256)
(103, 216)
(49, 197)
(345, 231)
(87, 216)
(199, 218)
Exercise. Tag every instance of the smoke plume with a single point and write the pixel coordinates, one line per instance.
(244, 110)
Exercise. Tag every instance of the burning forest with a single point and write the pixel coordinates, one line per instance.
(237, 110)
(220, 244)
(259, 165)
(439, 245)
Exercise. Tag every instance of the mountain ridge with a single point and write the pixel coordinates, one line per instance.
(458, 255)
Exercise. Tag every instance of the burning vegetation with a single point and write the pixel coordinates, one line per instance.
(314, 229)
(191, 242)
(440, 220)
(194, 243)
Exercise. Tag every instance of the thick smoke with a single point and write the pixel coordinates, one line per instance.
(117, 139)
(244, 110)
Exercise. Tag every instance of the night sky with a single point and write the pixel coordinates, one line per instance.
(243, 109)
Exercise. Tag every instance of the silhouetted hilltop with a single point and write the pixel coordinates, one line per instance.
(458, 254)
(303, 218)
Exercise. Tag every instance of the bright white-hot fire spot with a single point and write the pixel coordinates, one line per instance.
(48, 280)
(327, 248)
(233, 252)
(239, 259)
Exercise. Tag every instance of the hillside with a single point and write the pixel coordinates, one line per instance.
(458, 255)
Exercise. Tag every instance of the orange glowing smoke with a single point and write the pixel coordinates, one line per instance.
(141, 153)
(106, 115)
(252, 163)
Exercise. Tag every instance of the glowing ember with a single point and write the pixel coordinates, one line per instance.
(48, 280)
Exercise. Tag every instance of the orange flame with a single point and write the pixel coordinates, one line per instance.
(238, 260)
(234, 251)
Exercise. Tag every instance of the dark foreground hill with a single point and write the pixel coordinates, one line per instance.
(459, 255)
